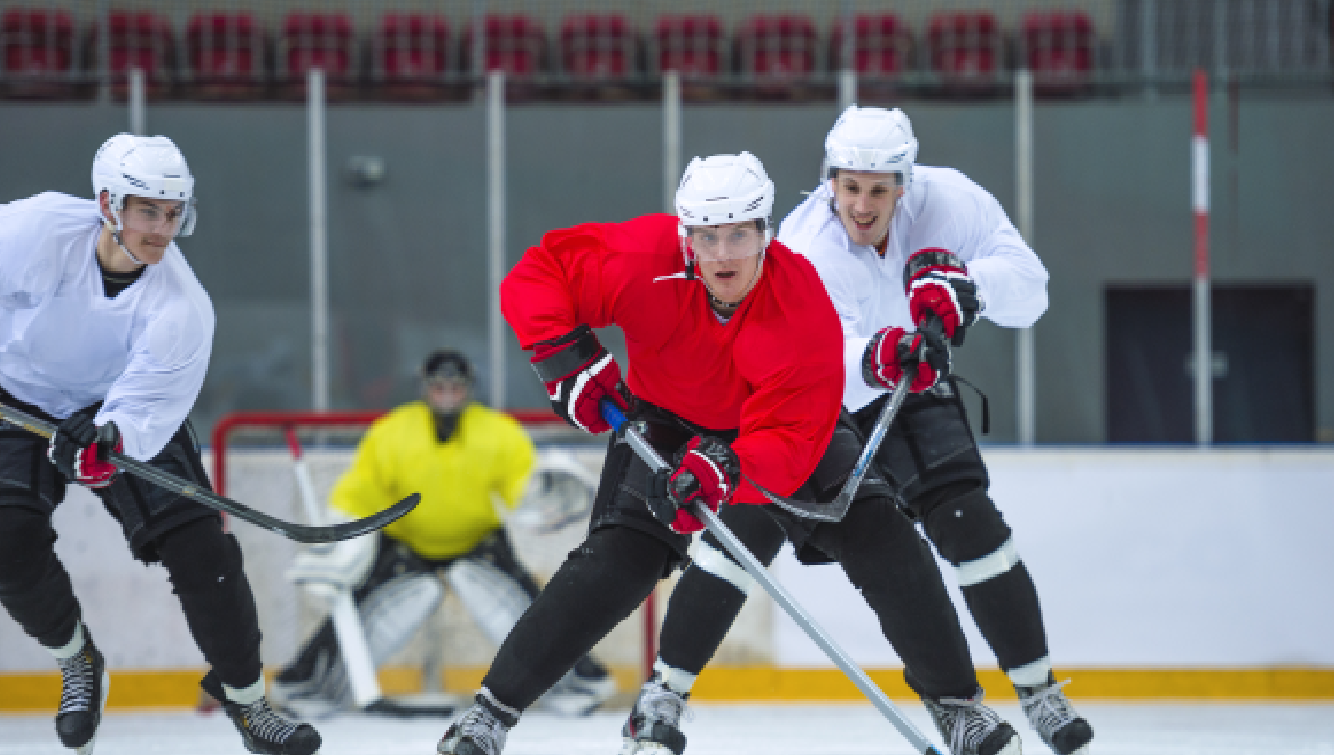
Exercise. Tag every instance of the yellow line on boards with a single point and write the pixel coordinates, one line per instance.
(24, 692)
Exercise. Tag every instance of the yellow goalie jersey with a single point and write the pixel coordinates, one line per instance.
(488, 455)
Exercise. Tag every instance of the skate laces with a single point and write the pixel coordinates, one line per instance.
(79, 677)
(661, 704)
(964, 722)
(483, 727)
(1048, 709)
(263, 723)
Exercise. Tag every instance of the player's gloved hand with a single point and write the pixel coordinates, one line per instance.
(578, 374)
(938, 283)
(707, 472)
(893, 351)
(79, 449)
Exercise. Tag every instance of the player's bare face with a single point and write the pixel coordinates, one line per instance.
(729, 258)
(866, 203)
(148, 226)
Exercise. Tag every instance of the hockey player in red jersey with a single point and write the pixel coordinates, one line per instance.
(736, 373)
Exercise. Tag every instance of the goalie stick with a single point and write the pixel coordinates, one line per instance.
(299, 532)
(613, 415)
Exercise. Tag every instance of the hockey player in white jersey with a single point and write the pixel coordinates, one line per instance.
(893, 243)
(106, 332)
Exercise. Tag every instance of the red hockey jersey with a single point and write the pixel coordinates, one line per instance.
(774, 371)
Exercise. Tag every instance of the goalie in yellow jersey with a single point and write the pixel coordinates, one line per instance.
(458, 454)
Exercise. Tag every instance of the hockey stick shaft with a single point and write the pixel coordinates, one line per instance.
(654, 460)
(298, 532)
(351, 635)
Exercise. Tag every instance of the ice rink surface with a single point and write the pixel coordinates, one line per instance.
(1122, 729)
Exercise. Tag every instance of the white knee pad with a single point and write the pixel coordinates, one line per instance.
(990, 566)
(492, 597)
(715, 562)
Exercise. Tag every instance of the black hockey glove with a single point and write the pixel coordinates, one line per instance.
(578, 374)
(79, 448)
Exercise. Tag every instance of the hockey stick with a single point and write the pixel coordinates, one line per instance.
(613, 415)
(299, 532)
(835, 510)
(346, 621)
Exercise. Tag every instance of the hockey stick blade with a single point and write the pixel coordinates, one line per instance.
(300, 533)
(747, 560)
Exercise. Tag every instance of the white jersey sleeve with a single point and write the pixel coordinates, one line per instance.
(949, 211)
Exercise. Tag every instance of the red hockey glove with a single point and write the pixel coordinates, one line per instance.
(79, 449)
(578, 374)
(937, 282)
(707, 472)
(894, 350)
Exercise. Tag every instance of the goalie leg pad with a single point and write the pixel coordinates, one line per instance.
(493, 598)
(392, 613)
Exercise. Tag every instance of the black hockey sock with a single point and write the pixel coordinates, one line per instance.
(34, 586)
(1008, 614)
(704, 605)
(205, 568)
(601, 582)
(894, 569)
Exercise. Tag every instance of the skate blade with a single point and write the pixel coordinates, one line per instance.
(632, 747)
(1012, 747)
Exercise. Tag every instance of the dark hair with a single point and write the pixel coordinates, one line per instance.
(447, 363)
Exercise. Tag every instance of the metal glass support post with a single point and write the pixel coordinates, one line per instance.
(847, 75)
(137, 101)
(495, 172)
(1204, 363)
(104, 51)
(319, 250)
(671, 138)
(1025, 356)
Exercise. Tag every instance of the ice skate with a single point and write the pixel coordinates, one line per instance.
(654, 724)
(263, 731)
(1055, 719)
(83, 696)
(481, 730)
(971, 728)
(576, 695)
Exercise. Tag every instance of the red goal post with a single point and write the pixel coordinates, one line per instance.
(542, 424)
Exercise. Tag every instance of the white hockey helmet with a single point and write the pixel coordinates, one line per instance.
(871, 139)
(144, 166)
(724, 189)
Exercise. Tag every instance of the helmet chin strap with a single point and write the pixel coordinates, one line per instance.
(115, 235)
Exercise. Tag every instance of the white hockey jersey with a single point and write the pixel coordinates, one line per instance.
(942, 208)
(65, 345)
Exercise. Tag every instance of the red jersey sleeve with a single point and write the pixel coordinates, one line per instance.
(557, 285)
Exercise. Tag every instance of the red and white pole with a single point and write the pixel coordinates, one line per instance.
(1200, 204)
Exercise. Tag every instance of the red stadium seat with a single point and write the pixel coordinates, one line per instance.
(1058, 49)
(316, 40)
(37, 53)
(690, 45)
(598, 47)
(778, 52)
(225, 53)
(882, 46)
(515, 44)
(966, 51)
(412, 54)
(139, 39)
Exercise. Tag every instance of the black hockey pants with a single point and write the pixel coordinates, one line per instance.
(203, 563)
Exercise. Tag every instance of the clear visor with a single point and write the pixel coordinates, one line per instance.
(162, 218)
(719, 243)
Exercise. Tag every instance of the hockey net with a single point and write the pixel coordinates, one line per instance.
(253, 463)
